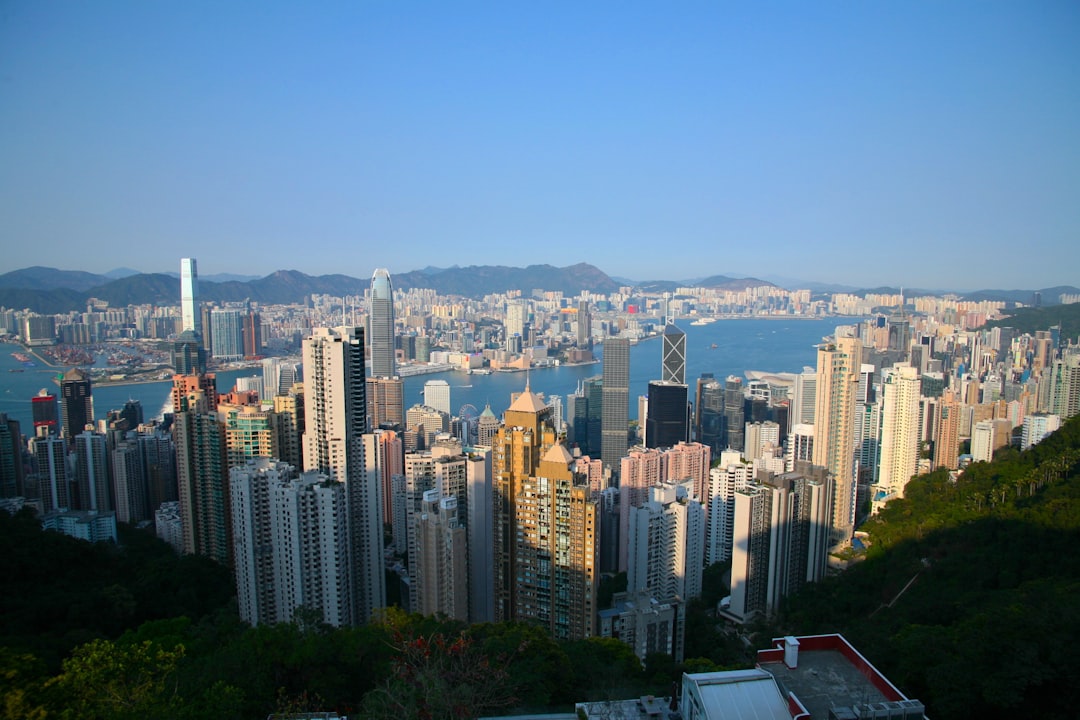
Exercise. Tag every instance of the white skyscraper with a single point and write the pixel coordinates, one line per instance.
(899, 456)
(437, 395)
(336, 443)
(190, 313)
(667, 544)
(290, 543)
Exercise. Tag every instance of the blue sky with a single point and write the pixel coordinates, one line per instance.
(915, 143)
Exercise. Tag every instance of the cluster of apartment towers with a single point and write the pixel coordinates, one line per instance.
(519, 526)
(296, 492)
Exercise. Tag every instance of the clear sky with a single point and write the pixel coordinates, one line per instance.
(929, 144)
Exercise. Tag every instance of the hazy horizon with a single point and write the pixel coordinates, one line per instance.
(915, 144)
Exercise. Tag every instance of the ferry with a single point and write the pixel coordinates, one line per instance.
(480, 371)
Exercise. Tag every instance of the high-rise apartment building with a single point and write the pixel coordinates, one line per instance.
(666, 544)
(729, 477)
(760, 438)
(250, 432)
(480, 525)
(899, 457)
(556, 554)
(440, 575)
(289, 410)
(804, 397)
(202, 479)
(386, 398)
(49, 453)
(838, 368)
(291, 543)
(1065, 386)
(1036, 428)
(337, 444)
(11, 465)
(639, 470)
(947, 432)
(381, 325)
(76, 403)
(616, 402)
(227, 334)
(689, 461)
(780, 541)
(92, 478)
(545, 526)
(799, 446)
(130, 482)
(516, 314)
(185, 385)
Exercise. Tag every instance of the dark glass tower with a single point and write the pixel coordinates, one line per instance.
(77, 406)
(668, 421)
(615, 414)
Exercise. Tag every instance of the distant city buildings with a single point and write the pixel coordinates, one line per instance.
(295, 475)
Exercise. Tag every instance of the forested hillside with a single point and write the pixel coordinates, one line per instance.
(969, 598)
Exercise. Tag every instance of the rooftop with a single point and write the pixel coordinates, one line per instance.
(826, 672)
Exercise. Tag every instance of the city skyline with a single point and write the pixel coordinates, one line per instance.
(768, 141)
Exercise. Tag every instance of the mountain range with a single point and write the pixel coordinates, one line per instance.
(49, 290)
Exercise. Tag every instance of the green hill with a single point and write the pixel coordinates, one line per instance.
(969, 598)
(1030, 319)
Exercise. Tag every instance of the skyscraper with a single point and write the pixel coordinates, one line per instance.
(668, 420)
(54, 486)
(337, 444)
(381, 325)
(11, 465)
(584, 325)
(45, 414)
(838, 366)
(77, 404)
(734, 415)
(899, 456)
(202, 479)
(291, 543)
(437, 395)
(673, 365)
(440, 575)
(779, 541)
(227, 334)
(385, 397)
(615, 417)
(666, 543)
(92, 472)
(190, 312)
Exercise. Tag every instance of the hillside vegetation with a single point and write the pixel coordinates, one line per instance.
(969, 598)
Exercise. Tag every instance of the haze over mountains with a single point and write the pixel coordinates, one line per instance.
(49, 290)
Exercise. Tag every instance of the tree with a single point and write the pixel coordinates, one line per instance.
(105, 680)
(439, 677)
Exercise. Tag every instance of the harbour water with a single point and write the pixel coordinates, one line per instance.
(725, 347)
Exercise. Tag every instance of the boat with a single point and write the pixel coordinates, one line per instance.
(713, 346)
